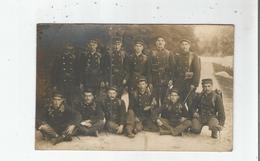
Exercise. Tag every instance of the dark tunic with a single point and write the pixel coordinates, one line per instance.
(115, 111)
(91, 112)
(173, 112)
(59, 119)
(208, 106)
(137, 66)
(115, 67)
(138, 101)
(91, 71)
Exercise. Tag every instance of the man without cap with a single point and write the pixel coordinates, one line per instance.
(64, 73)
(187, 69)
(115, 112)
(90, 66)
(137, 64)
(208, 110)
(115, 65)
(142, 108)
(160, 72)
(174, 116)
(92, 115)
(58, 121)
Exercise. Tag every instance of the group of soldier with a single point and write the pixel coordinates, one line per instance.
(161, 86)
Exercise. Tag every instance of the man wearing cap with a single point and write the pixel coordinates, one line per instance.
(142, 110)
(174, 116)
(92, 114)
(91, 72)
(137, 65)
(187, 69)
(58, 121)
(115, 65)
(208, 110)
(115, 112)
(160, 72)
(64, 74)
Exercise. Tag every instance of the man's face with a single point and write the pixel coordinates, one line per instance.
(88, 97)
(185, 46)
(112, 94)
(142, 85)
(207, 87)
(117, 46)
(160, 43)
(138, 48)
(174, 97)
(93, 46)
(57, 102)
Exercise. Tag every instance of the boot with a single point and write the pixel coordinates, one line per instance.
(214, 134)
(177, 131)
(57, 140)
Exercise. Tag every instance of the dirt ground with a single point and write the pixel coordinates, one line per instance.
(153, 141)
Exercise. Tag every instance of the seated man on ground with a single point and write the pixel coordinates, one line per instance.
(58, 121)
(142, 105)
(115, 112)
(174, 116)
(208, 110)
(92, 115)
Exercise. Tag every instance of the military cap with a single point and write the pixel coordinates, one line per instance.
(116, 40)
(207, 81)
(93, 41)
(114, 88)
(57, 94)
(88, 90)
(185, 40)
(141, 78)
(174, 90)
(139, 42)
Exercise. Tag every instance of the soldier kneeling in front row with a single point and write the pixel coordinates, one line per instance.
(115, 112)
(58, 122)
(208, 109)
(92, 115)
(174, 116)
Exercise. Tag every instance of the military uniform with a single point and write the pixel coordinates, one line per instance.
(211, 112)
(92, 112)
(187, 69)
(91, 69)
(137, 67)
(115, 68)
(160, 72)
(64, 74)
(139, 118)
(54, 122)
(174, 118)
(115, 114)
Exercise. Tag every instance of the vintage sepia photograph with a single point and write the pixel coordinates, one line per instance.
(134, 87)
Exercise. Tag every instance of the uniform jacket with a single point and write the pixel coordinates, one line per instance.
(209, 105)
(115, 110)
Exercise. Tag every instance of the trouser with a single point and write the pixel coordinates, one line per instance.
(197, 125)
(89, 131)
(167, 128)
(69, 91)
(135, 125)
(50, 132)
(160, 93)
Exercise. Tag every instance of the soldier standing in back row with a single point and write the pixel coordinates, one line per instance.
(187, 71)
(137, 65)
(64, 77)
(91, 67)
(160, 72)
(208, 110)
(115, 65)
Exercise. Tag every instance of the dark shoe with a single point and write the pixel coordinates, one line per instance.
(57, 140)
(130, 135)
(214, 134)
